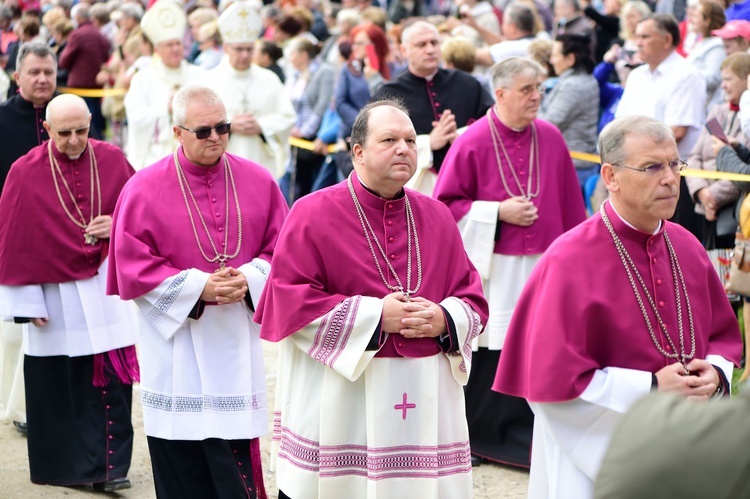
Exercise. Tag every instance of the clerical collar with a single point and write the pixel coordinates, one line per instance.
(612, 205)
(517, 130)
(427, 78)
(398, 195)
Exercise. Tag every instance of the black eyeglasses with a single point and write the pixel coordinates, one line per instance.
(205, 132)
(658, 168)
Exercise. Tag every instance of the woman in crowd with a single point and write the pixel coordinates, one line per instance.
(396, 61)
(209, 43)
(568, 105)
(310, 87)
(61, 32)
(361, 77)
(715, 199)
(708, 53)
(267, 55)
(630, 15)
(735, 158)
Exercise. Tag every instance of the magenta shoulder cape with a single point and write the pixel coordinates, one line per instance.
(470, 173)
(39, 244)
(578, 312)
(152, 238)
(322, 257)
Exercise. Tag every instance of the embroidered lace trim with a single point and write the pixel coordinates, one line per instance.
(166, 300)
(203, 403)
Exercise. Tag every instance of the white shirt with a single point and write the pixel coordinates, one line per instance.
(674, 93)
(510, 48)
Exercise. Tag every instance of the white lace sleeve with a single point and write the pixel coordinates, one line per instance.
(167, 307)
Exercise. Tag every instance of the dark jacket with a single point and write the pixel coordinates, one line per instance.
(87, 49)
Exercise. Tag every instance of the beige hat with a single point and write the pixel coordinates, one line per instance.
(164, 21)
(241, 22)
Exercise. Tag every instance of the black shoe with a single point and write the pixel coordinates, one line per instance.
(112, 485)
(21, 427)
(476, 461)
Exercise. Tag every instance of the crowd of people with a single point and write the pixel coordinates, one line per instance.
(237, 170)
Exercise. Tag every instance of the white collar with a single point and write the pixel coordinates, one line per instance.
(658, 227)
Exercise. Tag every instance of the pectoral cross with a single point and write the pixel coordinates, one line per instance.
(222, 263)
(90, 239)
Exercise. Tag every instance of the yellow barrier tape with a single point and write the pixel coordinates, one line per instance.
(307, 145)
(734, 177)
(94, 92)
(584, 156)
(688, 172)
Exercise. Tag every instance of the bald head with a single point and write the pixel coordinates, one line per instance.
(67, 122)
(63, 105)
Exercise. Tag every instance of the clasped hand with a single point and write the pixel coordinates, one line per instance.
(100, 227)
(246, 124)
(418, 318)
(700, 384)
(518, 211)
(225, 286)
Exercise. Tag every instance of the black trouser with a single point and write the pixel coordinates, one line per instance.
(202, 469)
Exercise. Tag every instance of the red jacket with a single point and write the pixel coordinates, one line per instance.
(83, 56)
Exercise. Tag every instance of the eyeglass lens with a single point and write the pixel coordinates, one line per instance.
(204, 133)
(68, 133)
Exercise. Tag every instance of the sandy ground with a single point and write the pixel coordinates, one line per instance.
(490, 481)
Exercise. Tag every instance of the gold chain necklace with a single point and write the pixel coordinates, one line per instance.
(411, 234)
(679, 282)
(56, 170)
(533, 161)
(221, 258)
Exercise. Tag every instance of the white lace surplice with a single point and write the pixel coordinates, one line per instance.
(202, 378)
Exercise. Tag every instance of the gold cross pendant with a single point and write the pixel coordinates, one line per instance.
(92, 240)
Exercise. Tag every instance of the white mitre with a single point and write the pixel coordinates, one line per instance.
(241, 22)
(164, 21)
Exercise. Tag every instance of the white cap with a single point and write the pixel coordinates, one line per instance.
(164, 21)
(241, 22)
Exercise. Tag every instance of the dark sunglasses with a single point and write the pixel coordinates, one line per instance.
(81, 132)
(205, 132)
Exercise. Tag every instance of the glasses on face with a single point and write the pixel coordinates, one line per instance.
(530, 89)
(81, 132)
(205, 132)
(658, 168)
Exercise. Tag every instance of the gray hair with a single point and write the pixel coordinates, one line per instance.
(5, 12)
(131, 10)
(350, 16)
(612, 138)
(504, 73)
(192, 94)
(521, 16)
(100, 12)
(361, 125)
(80, 10)
(409, 31)
(39, 49)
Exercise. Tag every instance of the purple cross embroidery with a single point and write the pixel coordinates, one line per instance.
(403, 406)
